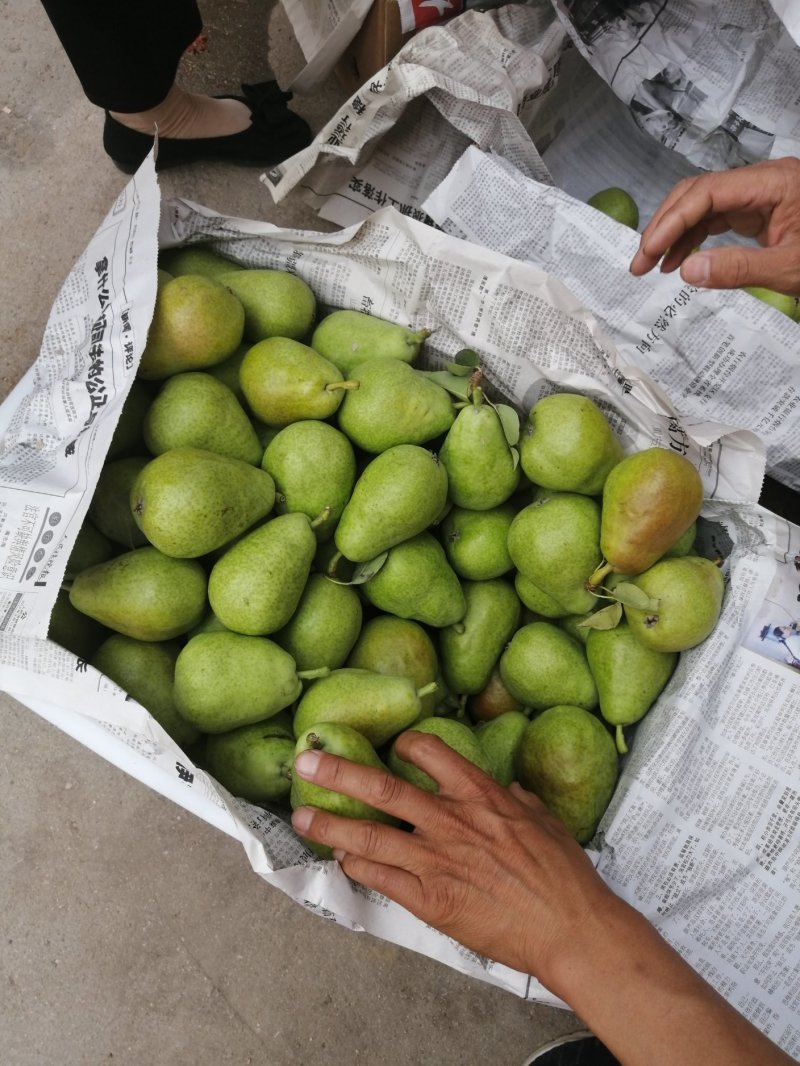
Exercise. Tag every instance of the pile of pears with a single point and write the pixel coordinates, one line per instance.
(302, 539)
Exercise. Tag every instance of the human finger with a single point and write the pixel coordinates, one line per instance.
(735, 267)
(374, 786)
(456, 776)
(374, 842)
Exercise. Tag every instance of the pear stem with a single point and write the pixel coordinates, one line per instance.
(314, 742)
(309, 675)
(323, 516)
(459, 627)
(622, 747)
(477, 396)
(426, 690)
(597, 577)
(332, 385)
(418, 337)
(66, 586)
(334, 562)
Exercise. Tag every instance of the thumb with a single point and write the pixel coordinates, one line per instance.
(732, 268)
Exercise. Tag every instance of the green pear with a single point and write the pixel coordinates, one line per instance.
(314, 467)
(482, 468)
(628, 675)
(89, 549)
(128, 439)
(393, 404)
(456, 735)
(227, 680)
(543, 666)
(399, 494)
(476, 542)
(190, 501)
(143, 594)
(284, 381)
(573, 624)
(252, 762)
(110, 507)
(686, 600)
(493, 700)
(398, 646)
(348, 338)
(470, 648)
(499, 739)
(555, 543)
(788, 305)
(417, 582)
(146, 671)
(257, 584)
(617, 204)
(567, 757)
(194, 259)
(536, 599)
(379, 706)
(324, 626)
(568, 444)
(650, 499)
(195, 410)
(209, 623)
(196, 323)
(228, 373)
(336, 739)
(276, 303)
(72, 629)
(684, 544)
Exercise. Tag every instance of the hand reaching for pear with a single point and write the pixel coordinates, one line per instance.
(761, 201)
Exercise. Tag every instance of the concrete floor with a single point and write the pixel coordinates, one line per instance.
(134, 933)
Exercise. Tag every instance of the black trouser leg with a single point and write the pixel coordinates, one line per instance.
(125, 52)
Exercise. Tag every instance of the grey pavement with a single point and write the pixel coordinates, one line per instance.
(132, 932)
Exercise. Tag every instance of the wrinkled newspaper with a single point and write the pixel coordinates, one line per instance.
(702, 835)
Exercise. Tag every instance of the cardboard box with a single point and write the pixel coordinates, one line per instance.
(379, 40)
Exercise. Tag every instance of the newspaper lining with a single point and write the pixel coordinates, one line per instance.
(705, 883)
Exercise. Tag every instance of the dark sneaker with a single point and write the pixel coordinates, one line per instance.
(577, 1049)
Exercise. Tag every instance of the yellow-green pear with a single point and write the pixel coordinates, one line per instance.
(276, 303)
(255, 587)
(629, 676)
(567, 757)
(195, 410)
(190, 501)
(499, 738)
(349, 337)
(194, 259)
(253, 762)
(685, 602)
(197, 322)
(393, 404)
(89, 549)
(226, 680)
(617, 204)
(398, 646)
(476, 542)
(146, 670)
(470, 648)
(568, 444)
(555, 543)
(400, 493)
(314, 468)
(143, 594)
(379, 706)
(417, 582)
(324, 626)
(482, 468)
(284, 381)
(543, 666)
(74, 630)
(650, 499)
(110, 507)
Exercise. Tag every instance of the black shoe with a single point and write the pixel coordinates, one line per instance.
(275, 134)
(579, 1049)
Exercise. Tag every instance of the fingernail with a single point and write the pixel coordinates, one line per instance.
(697, 269)
(338, 854)
(306, 763)
(302, 818)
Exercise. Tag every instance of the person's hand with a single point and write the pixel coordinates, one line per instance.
(761, 201)
(486, 865)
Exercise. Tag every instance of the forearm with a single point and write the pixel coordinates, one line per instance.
(647, 1005)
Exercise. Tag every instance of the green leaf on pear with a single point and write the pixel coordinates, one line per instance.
(633, 596)
(606, 618)
(468, 358)
(456, 386)
(509, 420)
